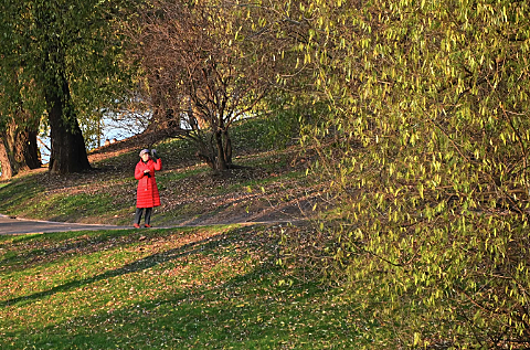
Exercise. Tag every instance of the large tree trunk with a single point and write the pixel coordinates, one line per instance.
(18, 149)
(68, 144)
(68, 149)
(18, 138)
(25, 149)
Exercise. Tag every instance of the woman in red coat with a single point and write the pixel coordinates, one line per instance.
(147, 195)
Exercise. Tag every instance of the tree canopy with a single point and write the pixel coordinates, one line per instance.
(206, 64)
(428, 106)
(67, 57)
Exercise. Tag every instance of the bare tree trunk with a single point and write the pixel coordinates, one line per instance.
(221, 160)
(227, 148)
(5, 163)
(18, 137)
(19, 149)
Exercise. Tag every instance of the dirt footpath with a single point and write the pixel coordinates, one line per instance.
(13, 226)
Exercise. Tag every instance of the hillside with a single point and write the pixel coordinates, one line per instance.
(201, 287)
(272, 187)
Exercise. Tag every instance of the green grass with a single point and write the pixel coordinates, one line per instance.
(108, 195)
(63, 206)
(188, 288)
(163, 179)
(208, 288)
(18, 194)
(257, 185)
(265, 133)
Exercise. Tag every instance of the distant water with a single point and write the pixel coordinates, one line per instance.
(111, 128)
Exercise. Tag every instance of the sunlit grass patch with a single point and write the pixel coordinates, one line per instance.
(201, 288)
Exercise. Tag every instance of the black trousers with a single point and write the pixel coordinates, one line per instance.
(138, 215)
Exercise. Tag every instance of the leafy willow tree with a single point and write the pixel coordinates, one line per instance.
(205, 67)
(429, 110)
(66, 55)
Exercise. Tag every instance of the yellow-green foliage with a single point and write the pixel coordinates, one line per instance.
(429, 113)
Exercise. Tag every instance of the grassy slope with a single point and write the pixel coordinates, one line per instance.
(273, 188)
(200, 288)
(213, 287)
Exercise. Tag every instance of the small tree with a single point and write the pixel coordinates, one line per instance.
(202, 73)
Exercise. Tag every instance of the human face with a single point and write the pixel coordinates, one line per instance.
(145, 157)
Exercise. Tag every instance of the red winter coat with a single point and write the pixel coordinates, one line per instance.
(147, 193)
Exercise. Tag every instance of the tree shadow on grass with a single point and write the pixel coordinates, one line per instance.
(46, 249)
(139, 265)
(251, 310)
(17, 192)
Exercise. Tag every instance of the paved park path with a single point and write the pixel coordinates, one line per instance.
(18, 226)
(12, 226)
